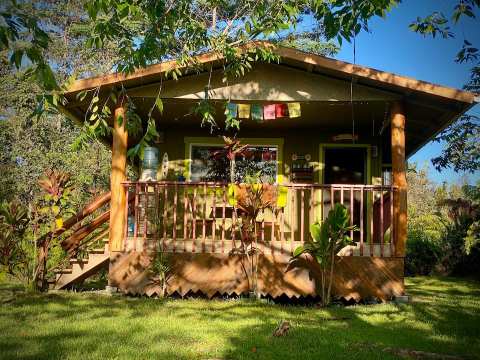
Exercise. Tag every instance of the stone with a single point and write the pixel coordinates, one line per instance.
(402, 299)
(111, 289)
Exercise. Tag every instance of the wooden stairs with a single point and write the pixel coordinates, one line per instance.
(80, 269)
(83, 237)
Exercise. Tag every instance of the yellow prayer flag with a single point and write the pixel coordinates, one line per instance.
(58, 223)
(294, 110)
(243, 111)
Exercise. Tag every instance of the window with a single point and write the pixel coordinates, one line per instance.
(203, 161)
(209, 163)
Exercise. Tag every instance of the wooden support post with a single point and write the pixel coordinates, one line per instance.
(118, 205)
(399, 177)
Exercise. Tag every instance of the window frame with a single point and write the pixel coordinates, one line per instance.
(212, 141)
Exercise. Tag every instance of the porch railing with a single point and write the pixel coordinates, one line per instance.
(197, 218)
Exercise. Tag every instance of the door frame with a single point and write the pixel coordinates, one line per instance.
(368, 175)
(321, 157)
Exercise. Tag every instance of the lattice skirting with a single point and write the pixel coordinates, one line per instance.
(211, 274)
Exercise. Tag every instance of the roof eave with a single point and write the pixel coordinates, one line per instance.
(312, 60)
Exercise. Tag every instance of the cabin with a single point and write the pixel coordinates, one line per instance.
(324, 130)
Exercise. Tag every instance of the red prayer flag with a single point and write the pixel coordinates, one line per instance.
(281, 110)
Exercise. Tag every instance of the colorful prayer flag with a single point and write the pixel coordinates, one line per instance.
(243, 111)
(257, 113)
(269, 112)
(294, 110)
(281, 110)
(231, 109)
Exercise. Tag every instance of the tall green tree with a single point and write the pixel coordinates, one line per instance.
(30, 145)
(462, 139)
(152, 31)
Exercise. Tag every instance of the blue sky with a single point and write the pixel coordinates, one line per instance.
(392, 47)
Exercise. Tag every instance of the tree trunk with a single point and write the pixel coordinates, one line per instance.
(330, 279)
(322, 272)
(41, 272)
(232, 171)
(164, 287)
(255, 257)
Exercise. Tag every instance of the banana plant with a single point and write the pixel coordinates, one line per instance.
(328, 238)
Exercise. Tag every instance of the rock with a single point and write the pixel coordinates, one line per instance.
(402, 299)
(371, 300)
(111, 289)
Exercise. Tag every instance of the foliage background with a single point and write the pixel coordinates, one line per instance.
(437, 241)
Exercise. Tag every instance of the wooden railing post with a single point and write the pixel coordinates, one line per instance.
(399, 177)
(118, 205)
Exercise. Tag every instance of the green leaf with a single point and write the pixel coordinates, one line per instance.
(248, 27)
(16, 58)
(298, 251)
(159, 104)
(81, 95)
(119, 120)
(315, 231)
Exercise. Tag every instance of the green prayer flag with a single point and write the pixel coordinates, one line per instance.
(257, 113)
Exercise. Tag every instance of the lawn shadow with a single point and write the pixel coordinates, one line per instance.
(67, 325)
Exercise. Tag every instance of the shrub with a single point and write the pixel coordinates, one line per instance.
(422, 254)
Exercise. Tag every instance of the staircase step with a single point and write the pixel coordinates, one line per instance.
(81, 270)
(97, 251)
(51, 284)
(97, 257)
(64, 271)
(78, 261)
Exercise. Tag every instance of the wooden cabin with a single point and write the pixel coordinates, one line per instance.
(356, 129)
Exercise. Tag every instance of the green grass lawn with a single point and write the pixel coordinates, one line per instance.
(444, 319)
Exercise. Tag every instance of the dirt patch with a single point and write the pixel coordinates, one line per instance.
(411, 353)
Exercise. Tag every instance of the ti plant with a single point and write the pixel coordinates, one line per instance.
(249, 200)
(328, 238)
(13, 223)
(231, 150)
(57, 188)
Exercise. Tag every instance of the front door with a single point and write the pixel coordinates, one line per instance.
(345, 165)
